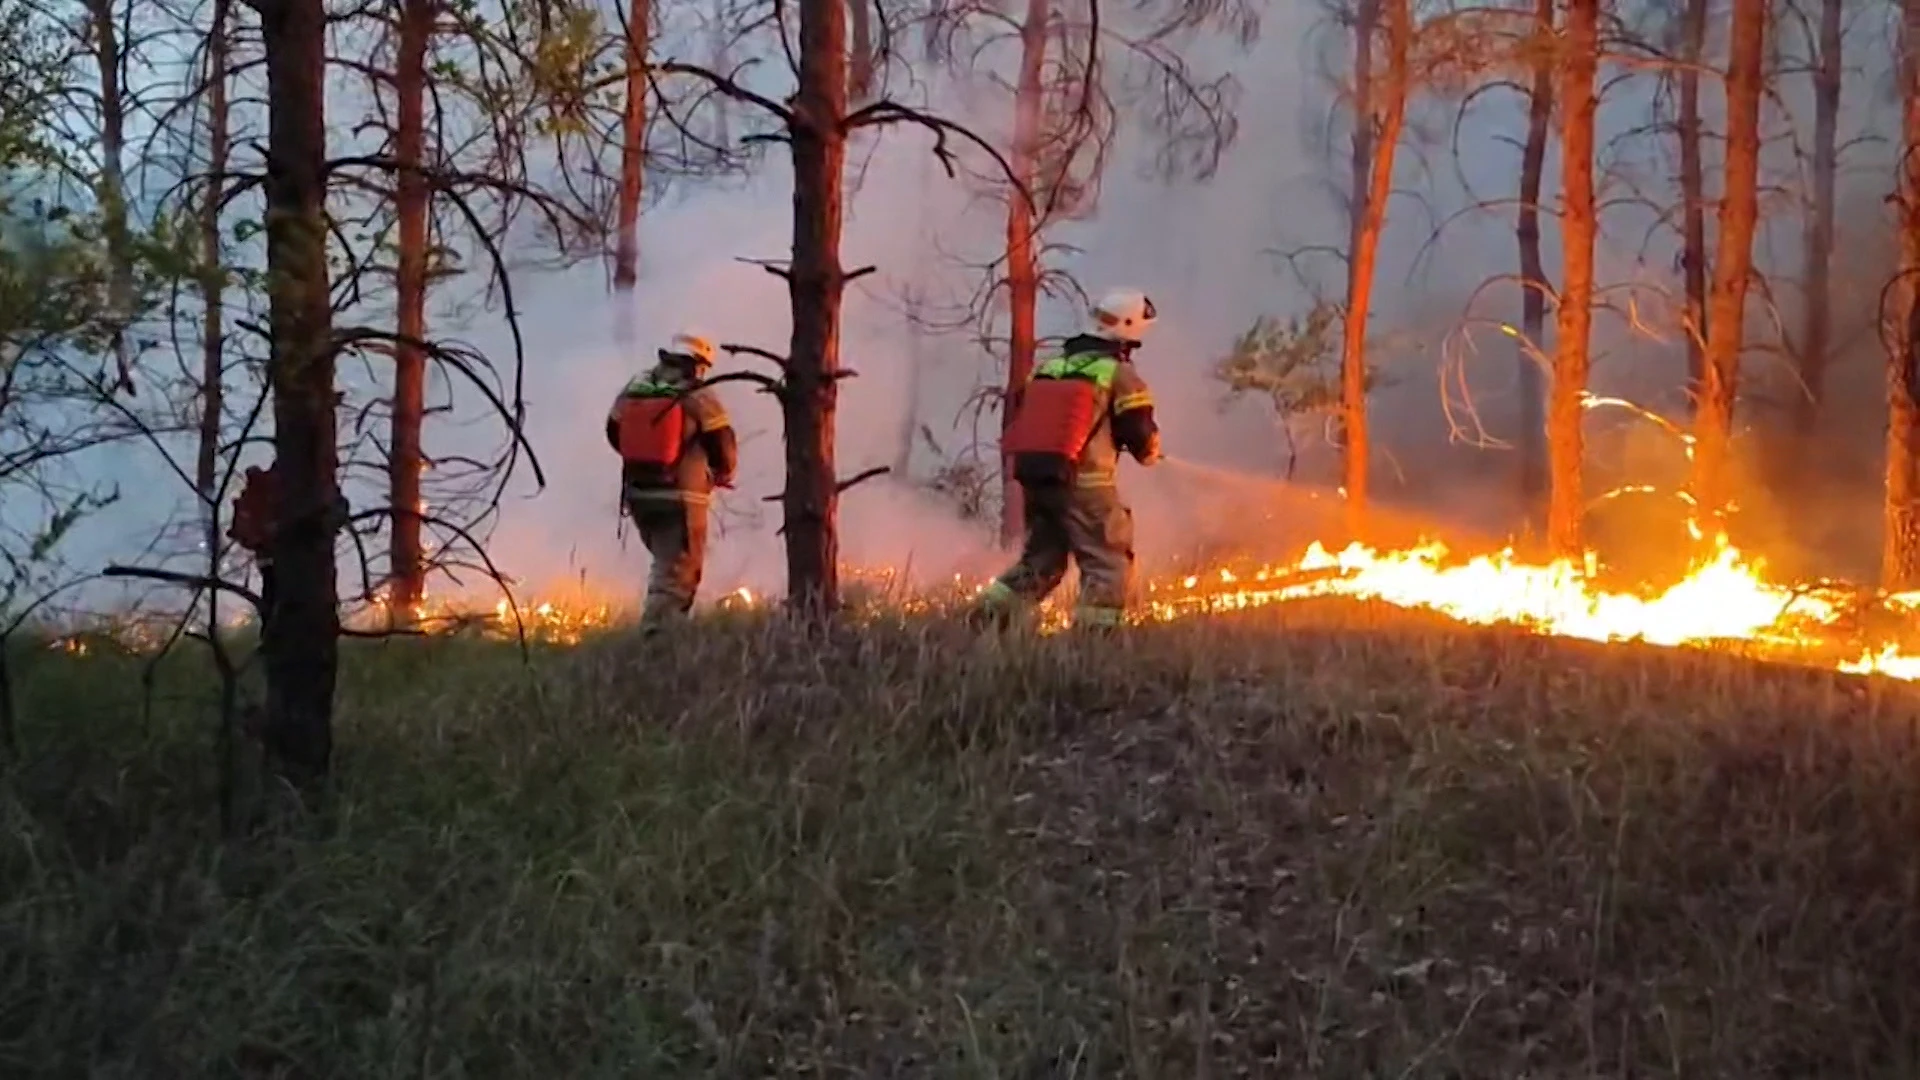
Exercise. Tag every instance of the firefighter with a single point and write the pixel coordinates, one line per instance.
(256, 524)
(1076, 415)
(255, 514)
(676, 445)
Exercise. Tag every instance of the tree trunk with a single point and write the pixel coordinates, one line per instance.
(301, 636)
(1693, 203)
(112, 185)
(213, 280)
(1533, 273)
(633, 161)
(815, 284)
(1900, 551)
(213, 375)
(413, 203)
(1373, 157)
(1566, 442)
(1817, 331)
(1023, 270)
(1732, 263)
(861, 55)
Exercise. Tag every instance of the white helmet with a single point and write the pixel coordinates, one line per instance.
(1123, 315)
(691, 347)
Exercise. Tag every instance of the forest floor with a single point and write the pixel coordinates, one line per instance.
(1323, 841)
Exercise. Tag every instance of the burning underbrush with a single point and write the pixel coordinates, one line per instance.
(1727, 603)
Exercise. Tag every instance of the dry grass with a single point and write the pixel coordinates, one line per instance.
(1291, 846)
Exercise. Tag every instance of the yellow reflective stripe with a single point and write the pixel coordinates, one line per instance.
(1100, 368)
(1098, 616)
(716, 423)
(1139, 399)
(998, 595)
(653, 384)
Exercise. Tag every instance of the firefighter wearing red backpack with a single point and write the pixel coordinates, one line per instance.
(676, 445)
(1075, 417)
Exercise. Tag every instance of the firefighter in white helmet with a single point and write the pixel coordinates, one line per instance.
(676, 445)
(1075, 417)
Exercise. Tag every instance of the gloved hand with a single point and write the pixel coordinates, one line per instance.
(1152, 456)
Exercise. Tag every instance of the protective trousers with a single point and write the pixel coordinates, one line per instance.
(675, 535)
(1091, 527)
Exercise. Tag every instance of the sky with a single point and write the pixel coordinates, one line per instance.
(1204, 252)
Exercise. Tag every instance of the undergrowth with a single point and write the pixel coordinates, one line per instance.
(1318, 842)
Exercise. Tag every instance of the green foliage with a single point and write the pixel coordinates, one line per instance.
(55, 268)
(32, 83)
(1295, 363)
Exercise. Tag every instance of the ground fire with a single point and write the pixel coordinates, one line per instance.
(1728, 603)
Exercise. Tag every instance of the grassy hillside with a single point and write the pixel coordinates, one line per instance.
(1322, 842)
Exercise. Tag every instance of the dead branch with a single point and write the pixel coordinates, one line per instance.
(840, 487)
(200, 582)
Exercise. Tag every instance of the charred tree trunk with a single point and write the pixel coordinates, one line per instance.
(1900, 549)
(1732, 263)
(1023, 269)
(1533, 273)
(815, 284)
(633, 162)
(1817, 330)
(1693, 203)
(1373, 157)
(413, 204)
(1566, 442)
(110, 59)
(301, 636)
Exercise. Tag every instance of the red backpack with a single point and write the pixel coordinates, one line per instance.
(653, 429)
(254, 509)
(1057, 416)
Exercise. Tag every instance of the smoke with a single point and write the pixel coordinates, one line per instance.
(693, 278)
(1211, 256)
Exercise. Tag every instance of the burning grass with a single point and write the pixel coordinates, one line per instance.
(1322, 839)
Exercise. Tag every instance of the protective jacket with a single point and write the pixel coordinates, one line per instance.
(675, 443)
(256, 510)
(1076, 416)
(1078, 413)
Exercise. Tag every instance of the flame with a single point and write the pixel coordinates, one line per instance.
(1726, 602)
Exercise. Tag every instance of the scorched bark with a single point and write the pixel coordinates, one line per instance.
(633, 149)
(1566, 443)
(1373, 157)
(1533, 273)
(815, 284)
(413, 203)
(1023, 271)
(1732, 262)
(301, 635)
